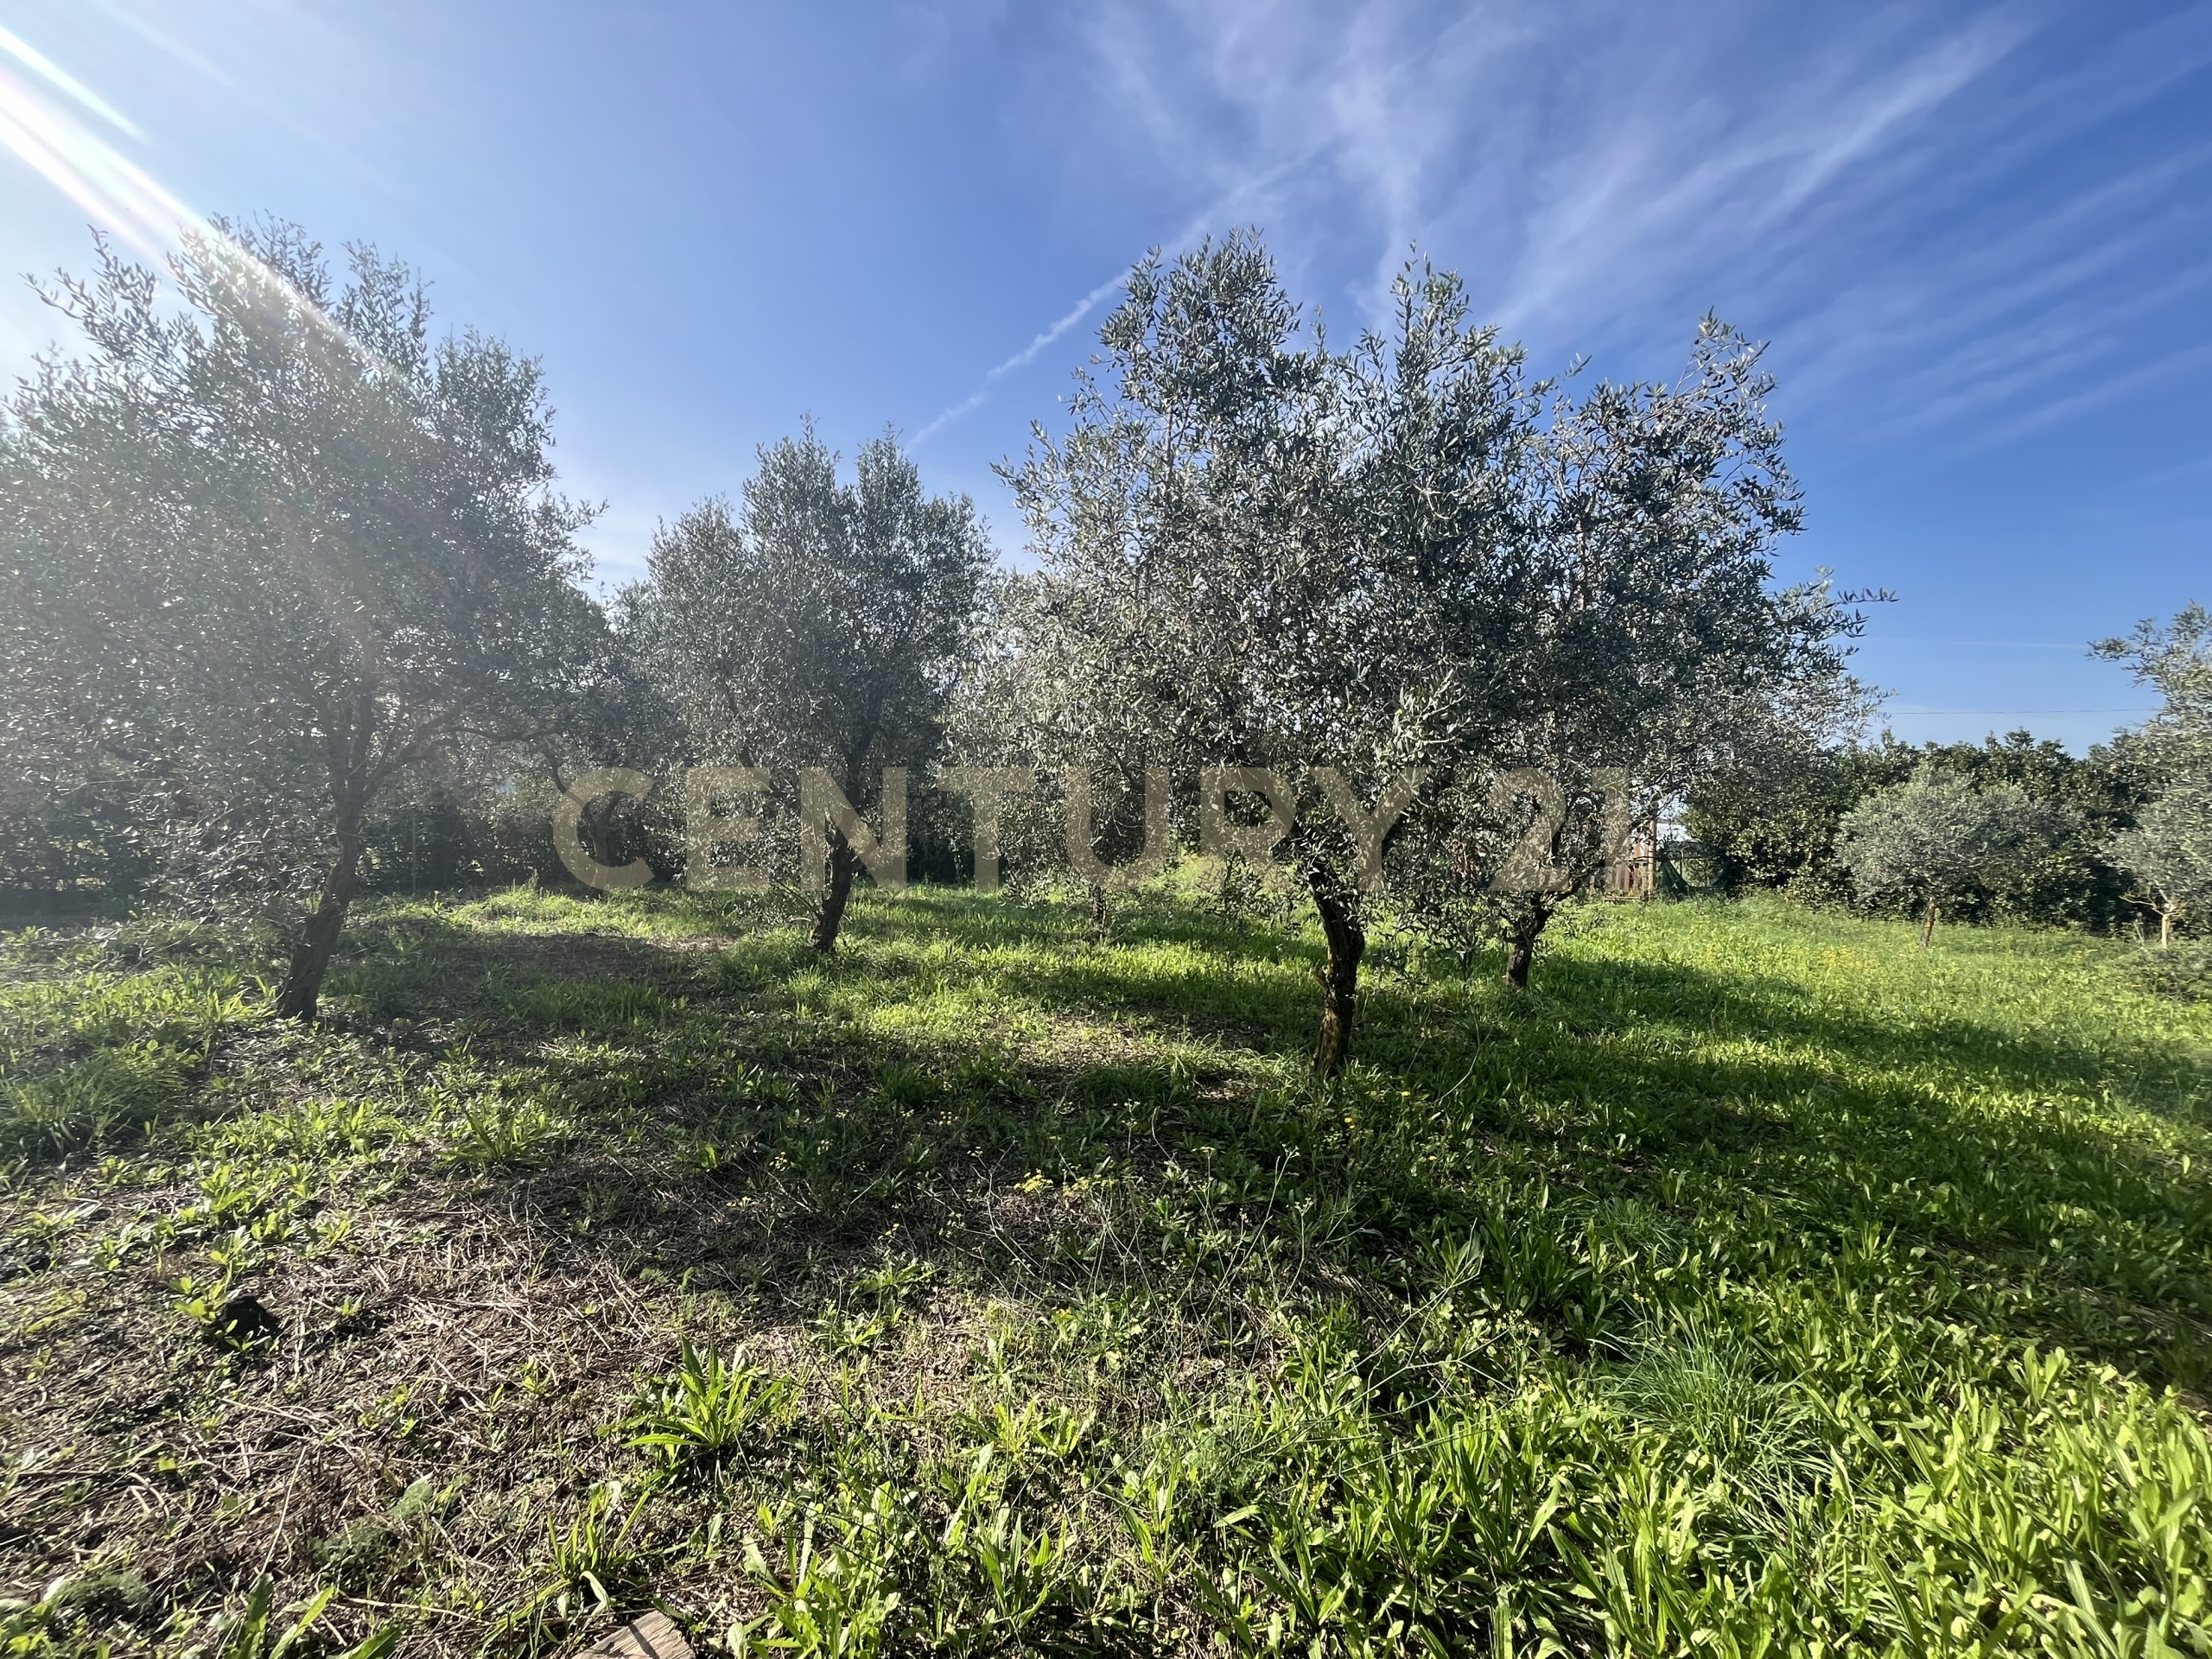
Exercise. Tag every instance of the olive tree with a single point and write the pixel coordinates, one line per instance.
(1024, 721)
(814, 632)
(2169, 853)
(270, 547)
(1935, 837)
(1645, 642)
(2177, 660)
(1263, 559)
(1402, 565)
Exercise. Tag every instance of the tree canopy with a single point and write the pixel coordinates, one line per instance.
(1431, 635)
(818, 628)
(1405, 562)
(2169, 851)
(270, 546)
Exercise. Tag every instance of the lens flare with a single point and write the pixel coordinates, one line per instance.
(47, 70)
(118, 193)
(119, 196)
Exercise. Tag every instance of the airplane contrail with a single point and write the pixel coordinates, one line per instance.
(1021, 359)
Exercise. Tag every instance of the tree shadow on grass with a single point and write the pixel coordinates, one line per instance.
(796, 1111)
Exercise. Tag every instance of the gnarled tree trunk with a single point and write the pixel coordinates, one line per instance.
(602, 833)
(1341, 928)
(1521, 945)
(844, 864)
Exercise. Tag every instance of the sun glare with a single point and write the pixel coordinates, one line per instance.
(115, 191)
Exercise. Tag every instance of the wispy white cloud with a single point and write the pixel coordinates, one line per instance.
(1301, 116)
(1602, 174)
(1652, 203)
(1586, 157)
(1998, 329)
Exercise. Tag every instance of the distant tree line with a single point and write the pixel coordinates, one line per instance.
(293, 612)
(2008, 830)
(1777, 825)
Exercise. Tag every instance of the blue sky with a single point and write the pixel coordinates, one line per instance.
(1978, 238)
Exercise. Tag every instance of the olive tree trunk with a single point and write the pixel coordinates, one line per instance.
(1928, 926)
(1340, 973)
(346, 737)
(844, 865)
(1521, 941)
(302, 987)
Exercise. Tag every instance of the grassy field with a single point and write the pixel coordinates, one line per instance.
(1757, 1284)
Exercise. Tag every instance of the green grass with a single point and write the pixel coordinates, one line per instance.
(1758, 1283)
